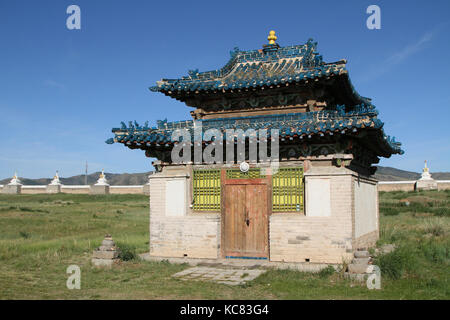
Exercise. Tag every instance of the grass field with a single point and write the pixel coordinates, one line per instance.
(41, 235)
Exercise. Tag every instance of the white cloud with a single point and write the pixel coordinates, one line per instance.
(410, 49)
(398, 57)
(54, 84)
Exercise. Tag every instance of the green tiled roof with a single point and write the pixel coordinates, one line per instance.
(268, 66)
(291, 126)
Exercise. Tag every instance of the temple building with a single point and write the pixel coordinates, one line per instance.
(312, 199)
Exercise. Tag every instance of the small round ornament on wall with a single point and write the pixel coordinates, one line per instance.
(244, 166)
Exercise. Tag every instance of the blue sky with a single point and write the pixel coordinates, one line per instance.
(61, 91)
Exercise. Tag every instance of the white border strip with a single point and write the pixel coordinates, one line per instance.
(34, 187)
(74, 187)
(128, 187)
(396, 182)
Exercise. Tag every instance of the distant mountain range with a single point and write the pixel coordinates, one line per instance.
(126, 179)
(393, 174)
(114, 179)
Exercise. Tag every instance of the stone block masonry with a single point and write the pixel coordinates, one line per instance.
(190, 235)
(96, 189)
(107, 254)
(316, 238)
(53, 188)
(12, 189)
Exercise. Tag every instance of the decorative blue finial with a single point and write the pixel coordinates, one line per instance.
(234, 52)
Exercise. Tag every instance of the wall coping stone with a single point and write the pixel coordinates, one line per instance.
(136, 186)
(165, 176)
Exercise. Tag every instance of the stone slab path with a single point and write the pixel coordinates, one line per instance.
(225, 276)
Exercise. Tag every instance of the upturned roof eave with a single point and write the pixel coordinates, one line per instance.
(294, 125)
(349, 91)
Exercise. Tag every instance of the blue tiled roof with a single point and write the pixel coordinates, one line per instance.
(294, 125)
(255, 68)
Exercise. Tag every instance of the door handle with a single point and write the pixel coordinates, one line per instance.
(247, 220)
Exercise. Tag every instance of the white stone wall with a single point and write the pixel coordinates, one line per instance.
(126, 189)
(366, 215)
(312, 236)
(75, 189)
(193, 235)
(318, 197)
(382, 186)
(33, 189)
(396, 185)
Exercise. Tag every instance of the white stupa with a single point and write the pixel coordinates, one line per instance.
(426, 182)
(14, 186)
(102, 180)
(55, 181)
(426, 175)
(14, 181)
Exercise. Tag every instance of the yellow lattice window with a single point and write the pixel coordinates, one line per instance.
(253, 173)
(287, 190)
(206, 190)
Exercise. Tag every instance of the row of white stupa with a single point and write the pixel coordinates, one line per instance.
(15, 181)
(425, 182)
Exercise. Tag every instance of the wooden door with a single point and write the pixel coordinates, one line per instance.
(245, 221)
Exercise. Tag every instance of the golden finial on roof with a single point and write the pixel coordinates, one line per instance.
(102, 175)
(272, 37)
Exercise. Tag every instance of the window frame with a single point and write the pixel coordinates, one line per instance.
(295, 198)
(200, 193)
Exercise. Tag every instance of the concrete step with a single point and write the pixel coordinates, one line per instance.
(361, 260)
(361, 254)
(359, 268)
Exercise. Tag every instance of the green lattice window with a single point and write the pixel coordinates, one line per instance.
(253, 173)
(287, 190)
(206, 190)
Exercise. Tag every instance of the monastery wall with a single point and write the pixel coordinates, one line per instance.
(126, 189)
(382, 186)
(396, 185)
(324, 232)
(408, 185)
(33, 189)
(75, 189)
(83, 189)
(443, 184)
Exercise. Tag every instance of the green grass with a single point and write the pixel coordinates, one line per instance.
(41, 235)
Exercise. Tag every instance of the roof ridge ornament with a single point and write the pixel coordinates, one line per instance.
(272, 37)
(272, 46)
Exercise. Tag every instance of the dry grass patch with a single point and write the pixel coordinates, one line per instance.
(38, 244)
